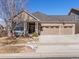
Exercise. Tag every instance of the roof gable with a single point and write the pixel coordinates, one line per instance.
(23, 15)
(74, 12)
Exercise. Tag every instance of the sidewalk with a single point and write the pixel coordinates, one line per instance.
(38, 55)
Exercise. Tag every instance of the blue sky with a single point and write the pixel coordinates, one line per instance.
(52, 7)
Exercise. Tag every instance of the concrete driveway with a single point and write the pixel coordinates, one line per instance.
(63, 45)
(51, 39)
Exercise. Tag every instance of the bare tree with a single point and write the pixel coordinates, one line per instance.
(8, 9)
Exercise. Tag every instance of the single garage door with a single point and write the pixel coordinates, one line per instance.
(67, 30)
(50, 30)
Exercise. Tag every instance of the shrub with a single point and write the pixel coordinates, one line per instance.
(34, 34)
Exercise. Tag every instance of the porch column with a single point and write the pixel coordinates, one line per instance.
(36, 27)
(25, 28)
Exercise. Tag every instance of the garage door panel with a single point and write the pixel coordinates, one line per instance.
(50, 31)
(54, 31)
(67, 30)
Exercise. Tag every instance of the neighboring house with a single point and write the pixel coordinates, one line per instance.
(48, 24)
(75, 13)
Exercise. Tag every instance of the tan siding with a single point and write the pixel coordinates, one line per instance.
(24, 16)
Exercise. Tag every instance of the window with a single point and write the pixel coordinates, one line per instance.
(46, 26)
(52, 26)
(56, 26)
(67, 26)
(19, 28)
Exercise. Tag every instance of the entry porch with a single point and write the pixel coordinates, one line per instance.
(24, 28)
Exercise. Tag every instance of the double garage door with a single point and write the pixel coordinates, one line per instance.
(67, 30)
(56, 30)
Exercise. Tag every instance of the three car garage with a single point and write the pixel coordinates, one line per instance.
(57, 29)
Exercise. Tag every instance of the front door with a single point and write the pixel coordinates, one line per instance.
(31, 27)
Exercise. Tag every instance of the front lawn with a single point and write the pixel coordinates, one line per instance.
(9, 45)
(19, 40)
(15, 49)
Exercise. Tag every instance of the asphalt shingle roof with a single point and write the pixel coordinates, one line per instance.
(54, 18)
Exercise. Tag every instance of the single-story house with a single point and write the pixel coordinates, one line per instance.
(48, 24)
